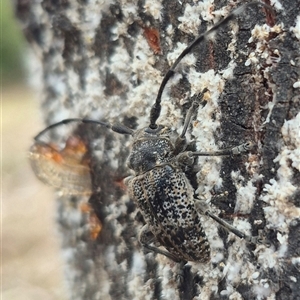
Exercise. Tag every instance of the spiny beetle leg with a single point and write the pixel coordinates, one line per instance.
(237, 150)
(202, 208)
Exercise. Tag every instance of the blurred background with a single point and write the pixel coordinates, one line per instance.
(32, 267)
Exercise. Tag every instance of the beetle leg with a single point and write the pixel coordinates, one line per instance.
(240, 149)
(180, 143)
(187, 158)
(202, 208)
(146, 237)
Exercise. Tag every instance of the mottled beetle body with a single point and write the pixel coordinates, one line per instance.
(159, 186)
(165, 196)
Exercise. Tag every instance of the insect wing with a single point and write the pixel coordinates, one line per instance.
(62, 164)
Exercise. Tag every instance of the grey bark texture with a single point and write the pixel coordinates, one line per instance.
(93, 61)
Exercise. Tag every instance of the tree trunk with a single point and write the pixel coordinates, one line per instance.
(102, 60)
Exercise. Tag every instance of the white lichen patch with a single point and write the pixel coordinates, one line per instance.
(296, 32)
(172, 56)
(276, 4)
(190, 21)
(211, 277)
(296, 29)
(269, 106)
(119, 30)
(262, 32)
(232, 45)
(209, 176)
(211, 80)
(280, 210)
(231, 293)
(140, 69)
(216, 243)
(238, 269)
(263, 291)
(267, 258)
(245, 195)
(136, 279)
(227, 73)
(119, 64)
(260, 35)
(129, 10)
(205, 127)
(153, 8)
(167, 272)
(291, 136)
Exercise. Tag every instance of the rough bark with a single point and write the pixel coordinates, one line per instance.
(93, 61)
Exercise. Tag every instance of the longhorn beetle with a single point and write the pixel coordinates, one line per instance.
(160, 186)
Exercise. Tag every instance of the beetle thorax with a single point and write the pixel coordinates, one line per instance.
(149, 150)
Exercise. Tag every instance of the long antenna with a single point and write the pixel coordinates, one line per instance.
(119, 128)
(155, 110)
